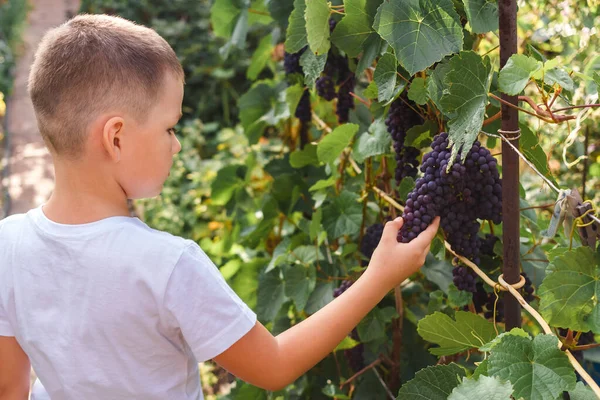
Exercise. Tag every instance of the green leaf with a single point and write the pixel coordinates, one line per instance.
(560, 77)
(438, 272)
(432, 383)
(483, 388)
(304, 157)
(418, 91)
(537, 369)
(514, 331)
(317, 26)
(347, 343)
(420, 135)
(515, 75)
(370, 91)
(458, 298)
(270, 295)
(223, 17)
(482, 15)
(468, 331)
(261, 56)
(421, 32)
(570, 291)
(332, 390)
(322, 184)
(315, 224)
(343, 215)
(320, 297)
(300, 281)
(296, 30)
(375, 141)
(225, 184)
(312, 65)
(582, 392)
(292, 97)
(353, 31)
(385, 77)
(280, 11)
(373, 47)
(466, 97)
(533, 151)
(332, 145)
(436, 84)
(238, 36)
(253, 105)
(372, 327)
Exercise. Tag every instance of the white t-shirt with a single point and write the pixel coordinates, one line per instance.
(113, 309)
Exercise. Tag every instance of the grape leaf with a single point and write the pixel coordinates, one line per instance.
(514, 331)
(537, 369)
(346, 343)
(343, 215)
(225, 184)
(373, 47)
(317, 26)
(432, 383)
(293, 94)
(253, 105)
(280, 11)
(304, 157)
(385, 77)
(299, 282)
(223, 16)
(482, 15)
(352, 32)
(375, 141)
(372, 326)
(312, 65)
(296, 31)
(320, 297)
(270, 295)
(515, 75)
(561, 77)
(435, 84)
(533, 151)
(421, 32)
(570, 291)
(418, 91)
(582, 392)
(483, 388)
(468, 331)
(466, 96)
(331, 146)
(261, 56)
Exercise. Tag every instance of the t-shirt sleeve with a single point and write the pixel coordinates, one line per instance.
(5, 328)
(210, 315)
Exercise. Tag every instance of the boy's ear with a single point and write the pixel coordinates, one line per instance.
(111, 137)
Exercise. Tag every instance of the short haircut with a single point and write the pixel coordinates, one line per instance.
(94, 64)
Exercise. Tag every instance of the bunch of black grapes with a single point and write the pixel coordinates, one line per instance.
(354, 356)
(401, 117)
(370, 240)
(461, 194)
(326, 82)
(346, 81)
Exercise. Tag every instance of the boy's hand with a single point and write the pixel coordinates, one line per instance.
(392, 262)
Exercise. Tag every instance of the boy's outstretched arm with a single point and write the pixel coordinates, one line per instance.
(14, 370)
(274, 362)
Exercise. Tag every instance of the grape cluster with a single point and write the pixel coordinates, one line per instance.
(326, 87)
(346, 81)
(464, 278)
(354, 356)
(401, 117)
(343, 287)
(371, 239)
(461, 195)
(527, 290)
(303, 112)
(291, 62)
(487, 245)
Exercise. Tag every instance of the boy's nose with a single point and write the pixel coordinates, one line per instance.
(177, 146)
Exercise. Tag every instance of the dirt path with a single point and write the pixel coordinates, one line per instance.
(31, 175)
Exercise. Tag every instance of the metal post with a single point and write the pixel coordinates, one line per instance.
(507, 10)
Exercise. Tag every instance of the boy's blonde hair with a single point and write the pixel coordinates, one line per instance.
(93, 64)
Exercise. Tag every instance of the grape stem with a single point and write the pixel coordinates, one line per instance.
(362, 371)
(493, 118)
(253, 11)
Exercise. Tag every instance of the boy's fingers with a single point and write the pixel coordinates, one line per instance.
(427, 235)
(391, 228)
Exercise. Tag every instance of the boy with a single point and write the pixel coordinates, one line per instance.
(105, 307)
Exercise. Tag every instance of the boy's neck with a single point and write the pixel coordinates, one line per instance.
(82, 195)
